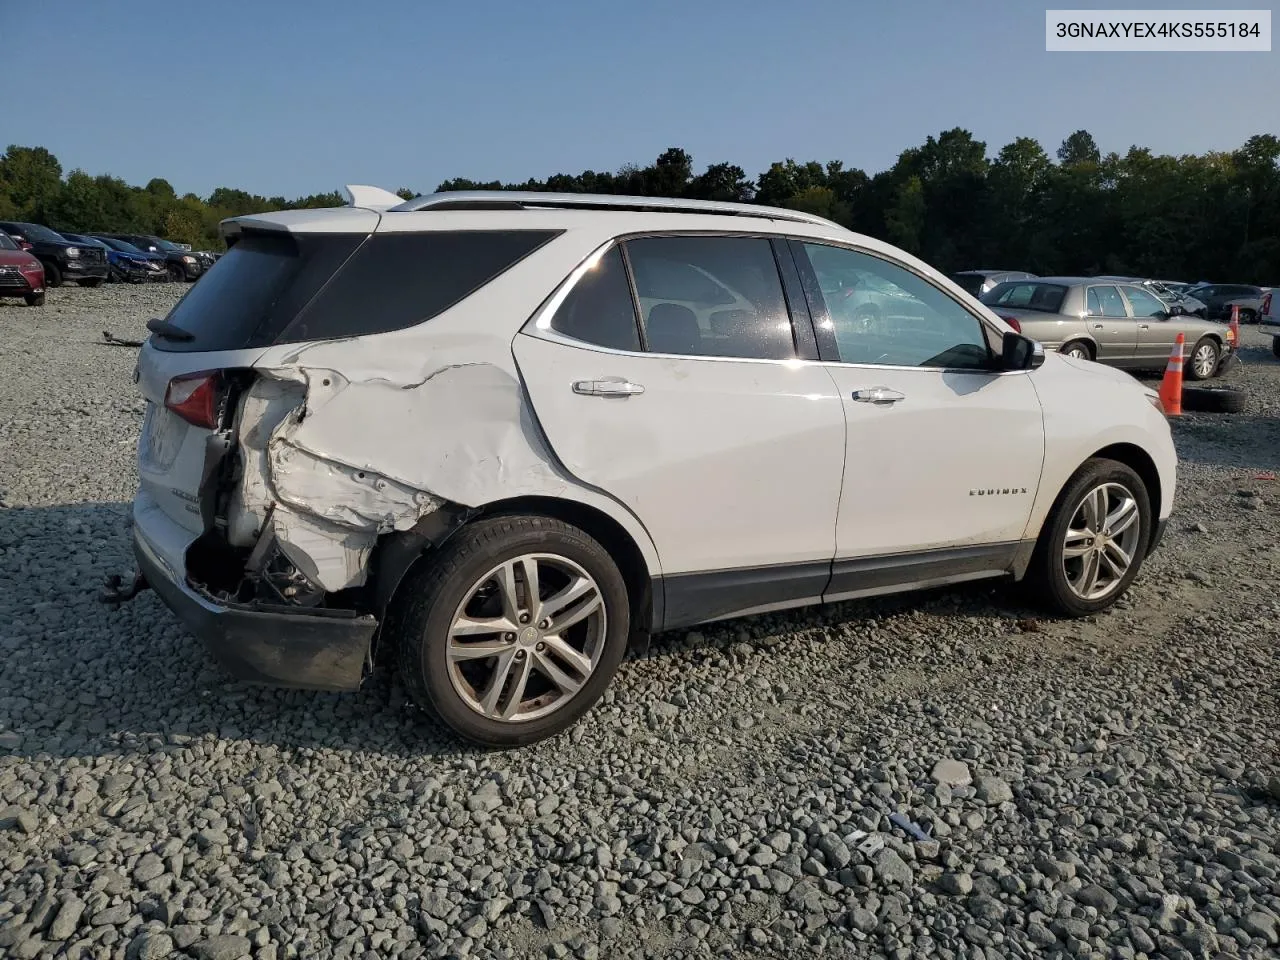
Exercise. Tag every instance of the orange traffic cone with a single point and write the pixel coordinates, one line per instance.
(1171, 385)
(1235, 326)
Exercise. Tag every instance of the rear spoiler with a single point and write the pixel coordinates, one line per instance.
(372, 198)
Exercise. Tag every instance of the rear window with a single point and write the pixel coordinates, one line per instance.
(1022, 295)
(970, 283)
(263, 291)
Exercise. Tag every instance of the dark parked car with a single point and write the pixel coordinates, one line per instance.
(124, 267)
(977, 282)
(181, 265)
(61, 258)
(21, 274)
(1221, 297)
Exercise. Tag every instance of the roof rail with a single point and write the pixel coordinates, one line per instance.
(530, 200)
(374, 198)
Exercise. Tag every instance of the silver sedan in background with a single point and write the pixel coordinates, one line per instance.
(1119, 324)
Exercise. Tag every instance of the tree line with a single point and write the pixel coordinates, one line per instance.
(1213, 216)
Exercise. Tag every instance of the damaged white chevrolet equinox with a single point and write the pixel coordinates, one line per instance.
(501, 435)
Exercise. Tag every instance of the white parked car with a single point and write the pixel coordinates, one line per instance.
(503, 434)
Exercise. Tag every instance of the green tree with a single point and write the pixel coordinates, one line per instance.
(32, 179)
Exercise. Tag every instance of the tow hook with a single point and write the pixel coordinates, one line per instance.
(114, 594)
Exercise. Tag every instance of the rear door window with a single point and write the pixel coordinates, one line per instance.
(1105, 302)
(599, 308)
(711, 296)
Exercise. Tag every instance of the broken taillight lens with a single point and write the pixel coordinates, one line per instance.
(194, 397)
(1013, 322)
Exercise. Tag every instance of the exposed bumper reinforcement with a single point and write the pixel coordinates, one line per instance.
(310, 650)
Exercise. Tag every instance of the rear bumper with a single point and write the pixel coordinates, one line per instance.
(262, 645)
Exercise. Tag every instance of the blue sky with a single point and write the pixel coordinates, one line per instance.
(290, 97)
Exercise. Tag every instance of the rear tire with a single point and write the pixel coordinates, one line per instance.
(1078, 349)
(1248, 316)
(52, 274)
(1077, 564)
(34, 299)
(1202, 362)
(478, 577)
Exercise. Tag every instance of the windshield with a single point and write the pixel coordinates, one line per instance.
(33, 231)
(166, 246)
(6, 242)
(970, 283)
(124, 246)
(1027, 295)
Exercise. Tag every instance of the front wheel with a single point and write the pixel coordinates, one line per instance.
(91, 282)
(1078, 350)
(1204, 359)
(1275, 346)
(176, 273)
(34, 299)
(512, 632)
(52, 274)
(1094, 541)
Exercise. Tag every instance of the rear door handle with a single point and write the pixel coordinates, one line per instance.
(1144, 326)
(879, 395)
(607, 388)
(1097, 326)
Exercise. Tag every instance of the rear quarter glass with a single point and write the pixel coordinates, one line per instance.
(273, 288)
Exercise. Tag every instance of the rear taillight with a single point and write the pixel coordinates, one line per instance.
(1266, 305)
(195, 397)
(1013, 322)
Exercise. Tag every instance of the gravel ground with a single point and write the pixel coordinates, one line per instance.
(1100, 788)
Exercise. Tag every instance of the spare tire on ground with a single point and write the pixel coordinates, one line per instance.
(1214, 399)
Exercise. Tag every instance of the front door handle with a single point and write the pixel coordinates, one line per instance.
(607, 388)
(879, 395)
(1144, 326)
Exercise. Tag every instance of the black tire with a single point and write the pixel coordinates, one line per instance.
(52, 274)
(1204, 343)
(432, 592)
(1047, 575)
(91, 282)
(34, 299)
(1069, 348)
(176, 273)
(1215, 399)
(1275, 346)
(1248, 316)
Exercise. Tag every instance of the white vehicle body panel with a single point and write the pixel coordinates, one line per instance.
(727, 463)
(918, 471)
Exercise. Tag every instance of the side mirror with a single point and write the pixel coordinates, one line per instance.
(1020, 353)
(1176, 310)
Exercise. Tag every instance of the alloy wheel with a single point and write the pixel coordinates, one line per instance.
(1079, 352)
(1205, 360)
(1101, 541)
(526, 638)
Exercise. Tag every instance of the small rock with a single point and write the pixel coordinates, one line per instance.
(952, 773)
(956, 884)
(1262, 925)
(1098, 898)
(150, 946)
(10, 740)
(67, 919)
(890, 868)
(835, 851)
(665, 711)
(225, 947)
(993, 791)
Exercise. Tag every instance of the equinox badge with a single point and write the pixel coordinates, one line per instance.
(997, 491)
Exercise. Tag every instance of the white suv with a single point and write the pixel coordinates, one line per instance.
(503, 434)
